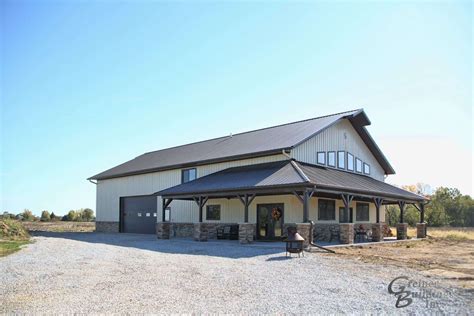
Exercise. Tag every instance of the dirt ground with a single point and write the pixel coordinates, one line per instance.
(60, 227)
(434, 256)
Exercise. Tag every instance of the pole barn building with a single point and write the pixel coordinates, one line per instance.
(327, 171)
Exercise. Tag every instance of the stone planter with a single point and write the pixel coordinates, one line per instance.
(201, 232)
(421, 230)
(377, 232)
(402, 229)
(346, 233)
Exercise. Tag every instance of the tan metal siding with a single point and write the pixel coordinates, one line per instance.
(340, 136)
(109, 191)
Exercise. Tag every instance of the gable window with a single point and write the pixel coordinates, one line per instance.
(321, 158)
(345, 216)
(358, 165)
(332, 158)
(341, 160)
(362, 212)
(366, 168)
(213, 212)
(188, 175)
(350, 162)
(326, 210)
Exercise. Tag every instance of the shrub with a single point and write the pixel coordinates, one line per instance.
(13, 230)
(71, 216)
(27, 215)
(45, 217)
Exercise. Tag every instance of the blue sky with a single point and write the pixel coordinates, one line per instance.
(88, 85)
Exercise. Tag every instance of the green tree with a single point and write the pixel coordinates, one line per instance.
(71, 216)
(45, 216)
(27, 215)
(87, 215)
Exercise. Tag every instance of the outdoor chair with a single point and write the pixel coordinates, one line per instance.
(234, 232)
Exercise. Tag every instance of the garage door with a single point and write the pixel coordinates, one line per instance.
(138, 214)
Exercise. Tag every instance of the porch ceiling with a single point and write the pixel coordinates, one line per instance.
(286, 177)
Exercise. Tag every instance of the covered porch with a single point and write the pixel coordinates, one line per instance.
(261, 201)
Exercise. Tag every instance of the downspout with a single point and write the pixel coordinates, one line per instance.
(284, 153)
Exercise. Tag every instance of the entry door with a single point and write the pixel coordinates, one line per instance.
(138, 214)
(270, 221)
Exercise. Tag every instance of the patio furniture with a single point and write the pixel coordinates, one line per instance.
(234, 232)
(360, 234)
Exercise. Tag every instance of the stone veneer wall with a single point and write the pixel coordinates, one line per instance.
(187, 229)
(107, 227)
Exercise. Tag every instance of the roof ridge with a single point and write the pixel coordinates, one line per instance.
(251, 131)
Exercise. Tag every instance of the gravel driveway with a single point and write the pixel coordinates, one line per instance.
(121, 273)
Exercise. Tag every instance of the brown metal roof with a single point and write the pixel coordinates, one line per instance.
(288, 174)
(280, 173)
(255, 143)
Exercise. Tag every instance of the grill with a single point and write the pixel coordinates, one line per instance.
(294, 242)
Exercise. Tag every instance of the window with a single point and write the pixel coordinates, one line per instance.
(188, 175)
(332, 158)
(362, 212)
(344, 216)
(322, 158)
(341, 160)
(350, 162)
(358, 165)
(326, 210)
(213, 212)
(366, 168)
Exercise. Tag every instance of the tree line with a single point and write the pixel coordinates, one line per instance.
(447, 207)
(80, 215)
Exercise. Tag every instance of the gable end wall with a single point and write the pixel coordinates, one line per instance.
(340, 136)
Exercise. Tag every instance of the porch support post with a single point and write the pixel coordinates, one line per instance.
(422, 213)
(378, 203)
(401, 205)
(166, 203)
(307, 194)
(200, 201)
(402, 227)
(246, 201)
(347, 199)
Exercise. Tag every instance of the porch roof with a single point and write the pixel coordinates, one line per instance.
(286, 177)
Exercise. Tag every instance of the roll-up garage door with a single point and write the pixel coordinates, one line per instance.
(138, 214)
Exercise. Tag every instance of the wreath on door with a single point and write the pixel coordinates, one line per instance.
(276, 213)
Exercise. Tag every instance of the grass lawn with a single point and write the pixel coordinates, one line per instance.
(10, 246)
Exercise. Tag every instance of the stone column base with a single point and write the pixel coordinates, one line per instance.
(106, 227)
(163, 230)
(377, 232)
(246, 233)
(304, 230)
(402, 229)
(421, 230)
(201, 232)
(346, 233)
